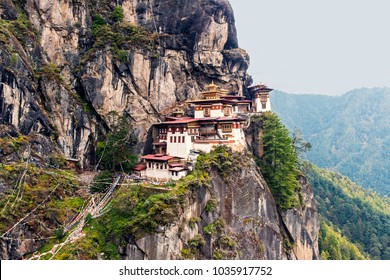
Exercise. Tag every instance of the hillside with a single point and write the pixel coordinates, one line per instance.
(349, 134)
(361, 216)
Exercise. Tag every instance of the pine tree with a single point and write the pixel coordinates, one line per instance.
(115, 150)
(278, 163)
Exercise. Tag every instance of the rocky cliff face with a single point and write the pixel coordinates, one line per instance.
(59, 81)
(244, 224)
(62, 72)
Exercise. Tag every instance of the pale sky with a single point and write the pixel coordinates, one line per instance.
(316, 46)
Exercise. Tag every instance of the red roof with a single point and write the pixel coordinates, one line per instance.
(178, 164)
(206, 119)
(139, 167)
(177, 169)
(208, 101)
(169, 118)
(157, 157)
(232, 96)
(179, 121)
(230, 119)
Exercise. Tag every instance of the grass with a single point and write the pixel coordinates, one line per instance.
(33, 186)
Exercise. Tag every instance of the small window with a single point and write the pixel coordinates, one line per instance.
(179, 139)
(206, 112)
(264, 105)
(174, 139)
(171, 139)
(226, 128)
(183, 139)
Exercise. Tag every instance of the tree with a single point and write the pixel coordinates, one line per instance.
(278, 162)
(117, 14)
(299, 144)
(115, 150)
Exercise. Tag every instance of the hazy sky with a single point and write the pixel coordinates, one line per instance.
(316, 46)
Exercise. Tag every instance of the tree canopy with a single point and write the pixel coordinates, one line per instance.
(278, 162)
(361, 216)
(115, 149)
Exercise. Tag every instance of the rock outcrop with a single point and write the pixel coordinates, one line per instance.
(56, 82)
(245, 223)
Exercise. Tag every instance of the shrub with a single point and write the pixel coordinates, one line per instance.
(211, 205)
(59, 233)
(13, 59)
(117, 14)
(227, 242)
(193, 221)
(214, 227)
(186, 253)
(101, 181)
(217, 255)
(196, 242)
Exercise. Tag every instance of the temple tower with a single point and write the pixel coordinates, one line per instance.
(261, 98)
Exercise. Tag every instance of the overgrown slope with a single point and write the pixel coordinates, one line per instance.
(223, 210)
(361, 216)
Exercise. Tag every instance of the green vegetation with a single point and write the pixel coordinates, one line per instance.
(196, 242)
(117, 14)
(13, 58)
(278, 162)
(54, 191)
(137, 211)
(193, 221)
(134, 212)
(223, 160)
(51, 71)
(226, 242)
(361, 216)
(211, 205)
(120, 36)
(215, 227)
(102, 181)
(349, 134)
(21, 28)
(115, 149)
(334, 246)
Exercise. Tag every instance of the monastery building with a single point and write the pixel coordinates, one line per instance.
(218, 119)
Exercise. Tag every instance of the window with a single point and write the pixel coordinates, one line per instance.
(179, 139)
(206, 112)
(192, 139)
(263, 105)
(149, 165)
(183, 139)
(226, 128)
(171, 139)
(174, 139)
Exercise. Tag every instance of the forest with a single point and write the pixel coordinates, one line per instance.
(349, 134)
(361, 216)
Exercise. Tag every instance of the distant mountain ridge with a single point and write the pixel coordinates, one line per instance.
(349, 133)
